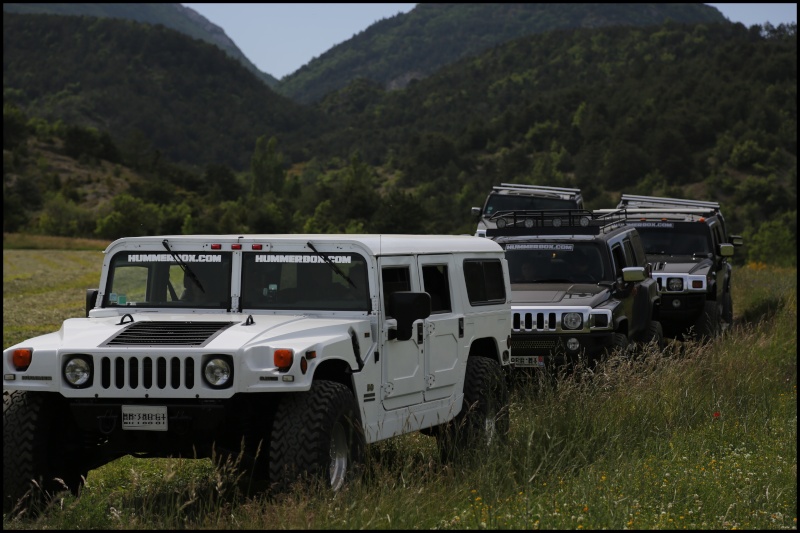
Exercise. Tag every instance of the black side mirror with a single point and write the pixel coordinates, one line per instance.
(91, 299)
(406, 307)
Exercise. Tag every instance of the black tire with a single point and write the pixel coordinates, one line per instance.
(40, 454)
(727, 310)
(316, 435)
(707, 326)
(483, 420)
(655, 335)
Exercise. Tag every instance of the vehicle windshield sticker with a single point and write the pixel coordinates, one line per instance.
(341, 259)
(167, 258)
(540, 246)
(652, 224)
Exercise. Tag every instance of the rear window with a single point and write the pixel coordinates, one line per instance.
(485, 281)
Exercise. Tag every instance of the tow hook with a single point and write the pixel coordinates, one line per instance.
(107, 423)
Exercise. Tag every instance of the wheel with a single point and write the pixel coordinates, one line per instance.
(316, 435)
(655, 335)
(40, 457)
(727, 310)
(483, 419)
(707, 326)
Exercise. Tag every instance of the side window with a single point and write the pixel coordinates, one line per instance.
(619, 260)
(395, 279)
(630, 257)
(638, 249)
(436, 282)
(485, 282)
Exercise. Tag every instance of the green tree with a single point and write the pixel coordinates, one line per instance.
(266, 167)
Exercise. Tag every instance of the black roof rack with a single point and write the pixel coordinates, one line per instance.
(536, 188)
(555, 222)
(635, 200)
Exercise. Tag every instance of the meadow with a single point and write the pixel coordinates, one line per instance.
(701, 436)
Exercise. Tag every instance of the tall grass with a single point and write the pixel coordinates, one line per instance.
(702, 436)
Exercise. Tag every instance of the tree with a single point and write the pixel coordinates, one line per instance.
(266, 167)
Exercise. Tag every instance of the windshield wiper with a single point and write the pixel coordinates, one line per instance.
(332, 265)
(184, 267)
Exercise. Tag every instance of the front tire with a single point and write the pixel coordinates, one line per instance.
(707, 326)
(316, 435)
(41, 457)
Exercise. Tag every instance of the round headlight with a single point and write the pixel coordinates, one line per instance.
(675, 284)
(584, 221)
(77, 371)
(501, 223)
(557, 222)
(529, 223)
(217, 372)
(572, 320)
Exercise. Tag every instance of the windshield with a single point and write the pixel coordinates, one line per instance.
(304, 281)
(671, 238)
(556, 262)
(504, 202)
(158, 280)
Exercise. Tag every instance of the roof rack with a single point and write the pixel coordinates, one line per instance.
(541, 188)
(555, 222)
(672, 213)
(628, 200)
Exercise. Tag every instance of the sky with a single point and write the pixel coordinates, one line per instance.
(281, 38)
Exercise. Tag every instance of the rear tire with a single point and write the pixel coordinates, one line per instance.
(316, 435)
(483, 420)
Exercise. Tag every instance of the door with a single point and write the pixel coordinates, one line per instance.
(444, 329)
(403, 379)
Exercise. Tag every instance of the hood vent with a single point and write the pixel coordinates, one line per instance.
(168, 334)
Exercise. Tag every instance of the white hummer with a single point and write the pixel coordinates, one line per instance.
(297, 350)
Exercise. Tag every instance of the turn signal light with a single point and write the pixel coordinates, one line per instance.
(283, 359)
(22, 358)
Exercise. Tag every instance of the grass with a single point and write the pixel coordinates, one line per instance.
(701, 437)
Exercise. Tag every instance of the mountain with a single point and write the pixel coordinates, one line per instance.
(184, 96)
(703, 111)
(413, 45)
(175, 16)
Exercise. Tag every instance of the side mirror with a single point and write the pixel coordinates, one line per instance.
(91, 299)
(406, 307)
(726, 250)
(630, 274)
(736, 240)
(476, 211)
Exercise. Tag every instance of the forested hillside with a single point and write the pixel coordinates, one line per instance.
(113, 128)
(412, 46)
(175, 16)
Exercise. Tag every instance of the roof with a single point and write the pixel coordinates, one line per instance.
(536, 190)
(374, 244)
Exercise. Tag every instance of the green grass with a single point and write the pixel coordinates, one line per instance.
(703, 437)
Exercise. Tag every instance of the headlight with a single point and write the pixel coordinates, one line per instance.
(78, 371)
(217, 372)
(572, 321)
(573, 344)
(674, 284)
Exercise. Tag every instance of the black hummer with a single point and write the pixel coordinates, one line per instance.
(580, 286)
(509, 197)
(688, 245)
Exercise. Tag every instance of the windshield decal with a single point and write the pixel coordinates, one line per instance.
(540, 246)
(341, 259)
(167, 258)
(652, 224)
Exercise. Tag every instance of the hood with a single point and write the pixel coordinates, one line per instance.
(567, 294)
(679, 264)
(225, 332)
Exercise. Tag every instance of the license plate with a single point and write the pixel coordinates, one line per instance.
(536, 361)
(144, 417)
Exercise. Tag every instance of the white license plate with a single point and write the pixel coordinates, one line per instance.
(536, 361)
(144, 417)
